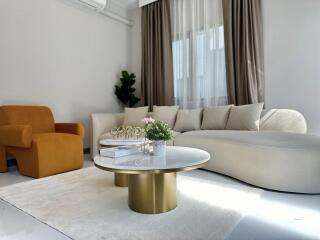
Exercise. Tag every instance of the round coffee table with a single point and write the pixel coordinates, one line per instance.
(152, 184)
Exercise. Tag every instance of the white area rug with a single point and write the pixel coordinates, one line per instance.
(85, 204)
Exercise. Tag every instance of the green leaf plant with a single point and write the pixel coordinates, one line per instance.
(157, 130)
(125, 91)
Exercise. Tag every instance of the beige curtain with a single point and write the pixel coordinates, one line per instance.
(244, 51)
(157, 66)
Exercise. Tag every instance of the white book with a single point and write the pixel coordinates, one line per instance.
(119, 151)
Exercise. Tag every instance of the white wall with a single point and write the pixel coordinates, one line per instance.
(58, 54)
(292, 57)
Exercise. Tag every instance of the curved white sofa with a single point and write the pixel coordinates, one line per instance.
(280, 156)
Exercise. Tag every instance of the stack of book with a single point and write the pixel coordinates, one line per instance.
(119, 151)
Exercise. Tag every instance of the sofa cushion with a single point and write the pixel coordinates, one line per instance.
(245, 117)
(134, 116)
(215, 118)
(188, 120)
(167, 114)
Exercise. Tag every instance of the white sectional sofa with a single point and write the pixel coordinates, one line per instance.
(281, 156)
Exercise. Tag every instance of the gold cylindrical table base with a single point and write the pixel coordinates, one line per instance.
(152, 193)
(121, 179)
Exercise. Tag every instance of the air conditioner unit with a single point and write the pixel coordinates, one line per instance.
(145, 2)
(105, 7)
(97, 5)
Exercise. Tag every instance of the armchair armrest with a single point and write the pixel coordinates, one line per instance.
(16, 136)
(72, 128)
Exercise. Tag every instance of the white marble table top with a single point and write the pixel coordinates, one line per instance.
(176, 159)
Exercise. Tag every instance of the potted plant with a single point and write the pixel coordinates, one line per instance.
(125, 92)
(158, 132)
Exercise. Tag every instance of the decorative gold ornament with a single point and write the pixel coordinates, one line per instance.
(127, 132)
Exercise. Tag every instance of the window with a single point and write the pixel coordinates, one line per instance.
(198, 57)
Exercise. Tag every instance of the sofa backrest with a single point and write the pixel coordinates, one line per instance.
(283, 120)
(38, 117)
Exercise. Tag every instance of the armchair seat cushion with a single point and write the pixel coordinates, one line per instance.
(53, 141)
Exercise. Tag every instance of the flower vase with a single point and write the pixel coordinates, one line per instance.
(159, 148)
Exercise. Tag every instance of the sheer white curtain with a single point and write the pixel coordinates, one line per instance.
(198, 53)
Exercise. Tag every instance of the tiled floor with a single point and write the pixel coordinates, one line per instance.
(285, 216)
(17, 225)
(275, 216)
(12, 177)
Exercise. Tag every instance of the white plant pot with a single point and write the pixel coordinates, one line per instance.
(159, 148)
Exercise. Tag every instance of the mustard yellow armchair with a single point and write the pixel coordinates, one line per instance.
(40, 146)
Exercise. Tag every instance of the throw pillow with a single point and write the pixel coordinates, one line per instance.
(188, 120)
(134, 116)
(215, 118)
(167, 114)
(245, 117)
